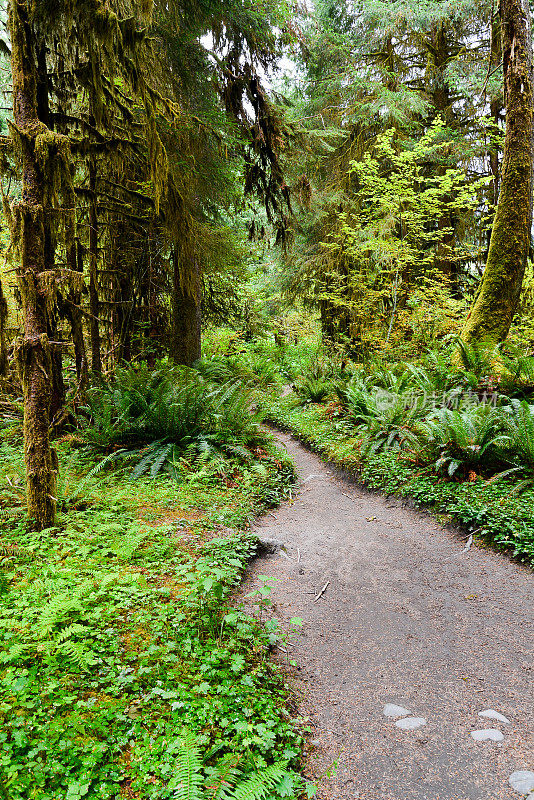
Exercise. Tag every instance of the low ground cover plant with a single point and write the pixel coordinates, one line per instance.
(122, 656)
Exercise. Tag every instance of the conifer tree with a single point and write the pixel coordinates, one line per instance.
(111, 45)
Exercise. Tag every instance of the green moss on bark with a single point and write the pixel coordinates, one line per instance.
(498, 298)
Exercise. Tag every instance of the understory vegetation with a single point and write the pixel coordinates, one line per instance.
(126, 670)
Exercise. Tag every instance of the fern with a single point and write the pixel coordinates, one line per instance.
(476, 357)
(70, 631)
(77, 653)
(149, 455)
(160, 459)
(156, 416)
(222, 778)
(188, 780)
(461, 440)
(260, 785)
(14, 552)
(225, 781)
(314, 390)
(92, 474)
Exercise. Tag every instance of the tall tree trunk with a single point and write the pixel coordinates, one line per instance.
(186, 313)
(497, 300)
(328, 328)
(33, 351)
(495, 106)
(94, 305)
(57, 399)
(3, 321)
(72, 306)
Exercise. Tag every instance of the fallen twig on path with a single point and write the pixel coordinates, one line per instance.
(468, 545)
(465, 550)
(323, 590)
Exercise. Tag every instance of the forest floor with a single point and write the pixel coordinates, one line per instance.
(409, 617)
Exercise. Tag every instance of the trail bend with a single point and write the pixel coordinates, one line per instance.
(407, 619)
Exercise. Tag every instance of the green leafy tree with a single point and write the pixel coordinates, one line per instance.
(390, 238)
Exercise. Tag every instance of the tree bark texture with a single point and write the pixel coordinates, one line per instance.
(498, 297)
(3, 345)
(94, 305)
(33, 351)
(186, 314)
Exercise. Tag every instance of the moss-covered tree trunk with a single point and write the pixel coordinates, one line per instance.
(497, 300)
(33, 351)
(3, 345)
(94, 304)
(186, 313)
(73, 306)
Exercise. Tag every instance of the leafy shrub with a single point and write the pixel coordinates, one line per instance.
(466, 439)
(314, 390)
(159, 416)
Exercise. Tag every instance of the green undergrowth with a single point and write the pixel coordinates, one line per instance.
(123, 656)
(490, 509)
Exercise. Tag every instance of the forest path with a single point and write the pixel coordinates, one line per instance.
(408, 619)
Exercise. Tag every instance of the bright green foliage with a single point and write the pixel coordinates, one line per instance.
(459, 441)
(400, 205)
(117, 633)
(391, 236)
(163, 415)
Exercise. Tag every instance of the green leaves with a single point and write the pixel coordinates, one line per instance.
(398, 221)
(116, 634)
(166, 418)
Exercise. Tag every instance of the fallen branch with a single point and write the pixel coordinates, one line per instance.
(323, 590)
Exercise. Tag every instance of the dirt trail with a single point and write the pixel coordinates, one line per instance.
(407, 619)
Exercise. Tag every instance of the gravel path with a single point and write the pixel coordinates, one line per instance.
(408, 620)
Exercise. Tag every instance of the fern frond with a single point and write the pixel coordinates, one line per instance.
(71, 630)
(259, 786)
(80, 655)
(146, 460)
(93, 473)
(223, 778)
(160, 459)
(14, 552)
(187, 781)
